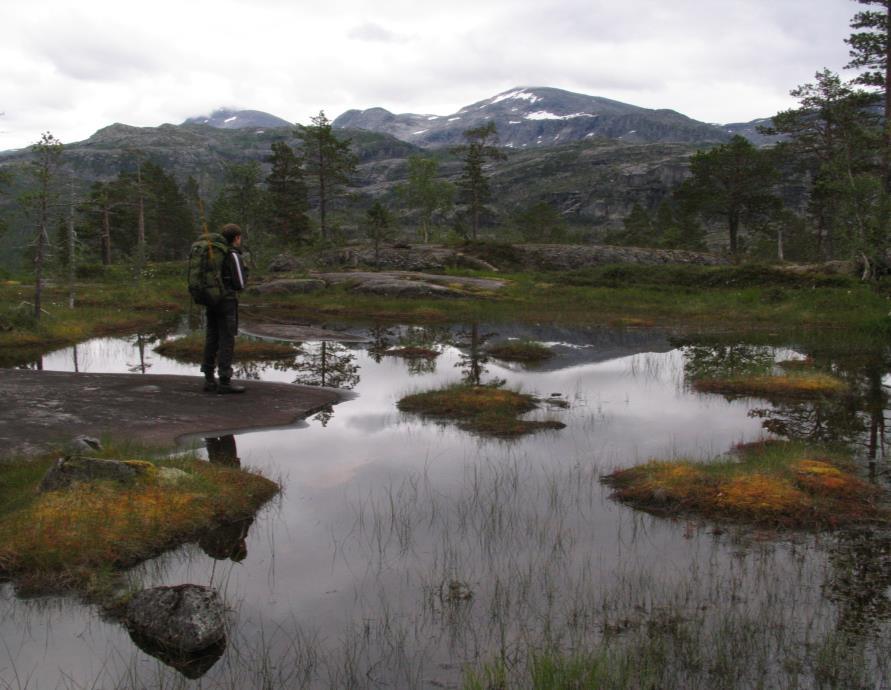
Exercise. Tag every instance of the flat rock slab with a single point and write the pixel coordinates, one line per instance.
(460, 282)
(299, 333)
(41, 409)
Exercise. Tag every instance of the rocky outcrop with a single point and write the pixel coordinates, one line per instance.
(558, 257)
(285, 286)
(416, 258)
(66, 472)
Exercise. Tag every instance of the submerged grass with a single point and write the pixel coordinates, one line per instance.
(485, 409)
(191, 349)
(71, 540)
(767, 483)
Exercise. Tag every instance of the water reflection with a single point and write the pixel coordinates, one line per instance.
(401, 551)
(192, 666)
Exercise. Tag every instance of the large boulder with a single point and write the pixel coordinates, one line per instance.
(75, 469)
(185, 619)
(286, 263)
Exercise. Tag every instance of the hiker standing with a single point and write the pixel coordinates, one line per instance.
(222, 317)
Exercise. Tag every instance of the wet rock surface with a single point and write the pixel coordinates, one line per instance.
(41, 407)
(284, 286)
(184, 626)
(300, 332)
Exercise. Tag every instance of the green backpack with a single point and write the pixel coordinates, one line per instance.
(206, 260)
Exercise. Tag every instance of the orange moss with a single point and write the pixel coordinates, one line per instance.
(771, 484)
(485, 409)
(761, 496)
(799, 385)
(62, 538)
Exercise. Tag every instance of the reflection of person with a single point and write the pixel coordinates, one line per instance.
(221, 450)
(227, 541)
(222, 319)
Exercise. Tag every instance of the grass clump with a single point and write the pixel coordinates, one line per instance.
(191, 349)
(487, 410)
(74, 539)
(768, 483)
(796, 384)
(525, 351)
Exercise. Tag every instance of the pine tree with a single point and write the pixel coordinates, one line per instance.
(377, 224)
(48, 151)
(473, 184)
(871, 51)
(287, 195)
(734, 181)
(328, 160)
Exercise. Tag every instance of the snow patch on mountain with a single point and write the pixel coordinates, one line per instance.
(545, 115)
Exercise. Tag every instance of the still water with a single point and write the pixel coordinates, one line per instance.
(402, 550)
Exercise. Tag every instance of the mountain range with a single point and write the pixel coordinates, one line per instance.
(528, 117)
(590, 158)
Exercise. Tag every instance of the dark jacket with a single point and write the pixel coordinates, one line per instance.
(234, 273)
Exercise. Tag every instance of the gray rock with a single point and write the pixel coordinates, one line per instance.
(286, 263)
(185, 618)
(287, 286)
(72, 470)
(83, 444)
(405, 288)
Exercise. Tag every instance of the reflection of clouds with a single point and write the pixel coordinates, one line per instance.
(371, 423)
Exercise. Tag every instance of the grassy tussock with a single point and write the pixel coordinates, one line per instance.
(525, 351)
(771, 483)
(797, 384)
(483, 409)
(191, 349)
(64, 540)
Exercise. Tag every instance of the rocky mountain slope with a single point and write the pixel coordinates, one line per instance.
(238, 119)
(538, 117)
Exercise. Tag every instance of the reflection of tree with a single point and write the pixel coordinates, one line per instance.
(141, 341)
(380, 341)
(817, 420)
(859, 581)
(328, 364)
(724, 361)
(856, 418)
(325, 415)
(427, 337)
(473, 357)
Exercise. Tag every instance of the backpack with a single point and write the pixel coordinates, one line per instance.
(206, 259)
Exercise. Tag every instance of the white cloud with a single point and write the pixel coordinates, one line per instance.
(73, 68)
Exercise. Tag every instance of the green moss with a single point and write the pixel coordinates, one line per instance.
(191, 349)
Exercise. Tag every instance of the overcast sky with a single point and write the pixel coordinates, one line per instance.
(74, 67)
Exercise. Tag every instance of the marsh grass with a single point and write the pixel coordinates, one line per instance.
(191, 349)
(767, 483)
(526, 351)
(75, 539)
(484, 409)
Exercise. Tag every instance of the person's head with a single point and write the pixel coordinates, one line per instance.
(232, 233)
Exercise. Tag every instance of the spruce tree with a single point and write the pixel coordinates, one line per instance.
(425, 193)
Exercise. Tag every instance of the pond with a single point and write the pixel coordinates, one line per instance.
(402, 550)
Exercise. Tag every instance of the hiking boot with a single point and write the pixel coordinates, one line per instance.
(225, 386)
(210, 385)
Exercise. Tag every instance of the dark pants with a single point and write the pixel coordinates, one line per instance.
(219, 341)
